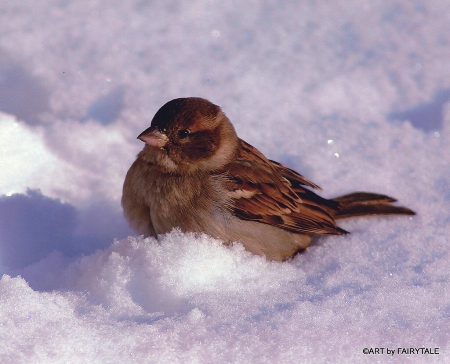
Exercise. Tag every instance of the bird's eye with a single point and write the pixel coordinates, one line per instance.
(183, 133)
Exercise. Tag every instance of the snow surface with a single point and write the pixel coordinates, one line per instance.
(354, 95)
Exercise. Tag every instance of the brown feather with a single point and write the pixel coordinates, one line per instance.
(267, 191)
(272, 200)
(364, 203)
(294, 177)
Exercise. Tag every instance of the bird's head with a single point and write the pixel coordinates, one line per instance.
(190, 134)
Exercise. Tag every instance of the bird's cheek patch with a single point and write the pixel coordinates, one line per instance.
(202, 145)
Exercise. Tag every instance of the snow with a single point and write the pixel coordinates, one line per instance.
(353, 95)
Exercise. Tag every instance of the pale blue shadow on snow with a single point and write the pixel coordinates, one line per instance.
(33, 225)
(427, 116)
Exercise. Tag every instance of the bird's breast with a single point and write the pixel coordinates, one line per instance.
(184, 201)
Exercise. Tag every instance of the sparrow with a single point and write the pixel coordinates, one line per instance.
(196, 174)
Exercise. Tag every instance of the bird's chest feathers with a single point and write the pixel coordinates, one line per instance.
(174, 197)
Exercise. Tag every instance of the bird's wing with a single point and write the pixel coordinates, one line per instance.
(268, 192)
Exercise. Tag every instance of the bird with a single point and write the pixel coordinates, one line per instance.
(195, 174)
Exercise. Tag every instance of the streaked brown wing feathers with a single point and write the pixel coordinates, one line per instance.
(268, 192)
(295, 178)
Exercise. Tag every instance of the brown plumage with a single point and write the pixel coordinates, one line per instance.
(196, 174)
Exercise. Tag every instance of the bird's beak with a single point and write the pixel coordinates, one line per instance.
(153, 137)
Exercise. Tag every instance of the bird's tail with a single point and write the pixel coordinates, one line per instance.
(365, 203)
